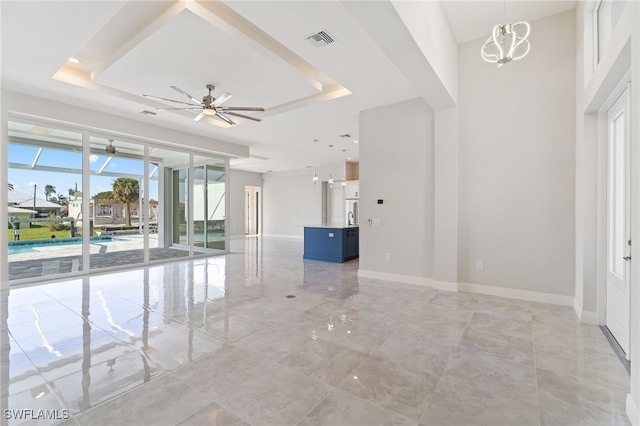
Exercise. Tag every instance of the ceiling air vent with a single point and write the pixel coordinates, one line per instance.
(320, 39)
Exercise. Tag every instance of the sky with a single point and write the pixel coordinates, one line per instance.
(23, 180)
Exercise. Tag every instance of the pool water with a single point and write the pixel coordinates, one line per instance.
(20, 247)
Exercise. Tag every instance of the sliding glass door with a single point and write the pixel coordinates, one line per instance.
(209, 192)
(81, 201)
(180, 199)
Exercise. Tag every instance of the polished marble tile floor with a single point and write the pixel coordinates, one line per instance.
(217, 341)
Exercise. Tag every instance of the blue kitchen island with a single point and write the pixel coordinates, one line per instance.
(331, 243)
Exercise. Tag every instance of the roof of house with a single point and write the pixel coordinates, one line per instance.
(18, 210)
(20, 199)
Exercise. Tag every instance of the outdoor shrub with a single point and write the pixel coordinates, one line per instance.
(53, 226)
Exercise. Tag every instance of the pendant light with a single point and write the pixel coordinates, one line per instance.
(508, 42)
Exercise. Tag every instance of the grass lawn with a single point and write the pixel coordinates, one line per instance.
(40, 231)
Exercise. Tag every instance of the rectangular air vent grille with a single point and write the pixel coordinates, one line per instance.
(320, 39)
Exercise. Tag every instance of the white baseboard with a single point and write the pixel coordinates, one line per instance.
(405, 279)
(510, 293)
(585, 317)
(531, 296)
(445, 285)
(633, 412)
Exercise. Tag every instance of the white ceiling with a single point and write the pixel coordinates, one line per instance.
(256, 50)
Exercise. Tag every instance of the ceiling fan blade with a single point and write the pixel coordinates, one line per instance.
(177, 89)
(241, 108)
(225, 118)
(199, 117)
(173, 109)
(243, 116)
(170, 100)
(221, 99)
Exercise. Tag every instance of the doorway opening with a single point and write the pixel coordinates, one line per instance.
(252, 210)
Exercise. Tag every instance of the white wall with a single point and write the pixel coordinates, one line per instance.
(421, 47)
(516, 150)
(397, 166)
(445, 253)
(238, 179)
(586, 175)
(291, 200)
(429, 27)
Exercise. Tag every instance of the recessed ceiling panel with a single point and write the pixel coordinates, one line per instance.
(190, 52)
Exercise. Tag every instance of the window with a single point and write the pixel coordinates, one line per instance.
(607, 16)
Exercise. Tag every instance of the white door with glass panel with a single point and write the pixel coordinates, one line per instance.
(618, 219)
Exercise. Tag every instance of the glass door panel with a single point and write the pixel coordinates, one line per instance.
(116, 202)
(216, 203)
(44, 230)
(180, 202)
(199, 206)
(209, 203)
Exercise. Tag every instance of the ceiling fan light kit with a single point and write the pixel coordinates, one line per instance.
(209, 106)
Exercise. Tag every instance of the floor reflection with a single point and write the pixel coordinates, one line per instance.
(234, 336)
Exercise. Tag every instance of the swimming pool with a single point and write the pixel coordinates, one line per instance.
(19, 247)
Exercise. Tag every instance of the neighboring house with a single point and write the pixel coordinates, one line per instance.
(42, 207)
(22, 215)
(111, 212)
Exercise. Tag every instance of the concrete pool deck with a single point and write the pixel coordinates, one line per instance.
(59, 259)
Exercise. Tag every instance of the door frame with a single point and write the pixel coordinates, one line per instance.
(622, 88)
(258, 206)
(621, 105)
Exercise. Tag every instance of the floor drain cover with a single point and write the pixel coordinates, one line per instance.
(290, 296)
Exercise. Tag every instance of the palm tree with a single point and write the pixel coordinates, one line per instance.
(71, 193)
(48, 190)
(127, 191)
(62, 200)
(10, 187)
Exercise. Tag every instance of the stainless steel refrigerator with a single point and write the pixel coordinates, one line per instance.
(352, 212)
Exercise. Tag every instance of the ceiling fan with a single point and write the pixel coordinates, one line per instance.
(110, 149)
(209, 106)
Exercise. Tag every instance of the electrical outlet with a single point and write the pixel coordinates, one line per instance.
(480, 264)
(387, 256)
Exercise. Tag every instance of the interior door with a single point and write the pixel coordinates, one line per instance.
(618, 219)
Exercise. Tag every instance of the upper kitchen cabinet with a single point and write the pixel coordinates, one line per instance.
(352, 190)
